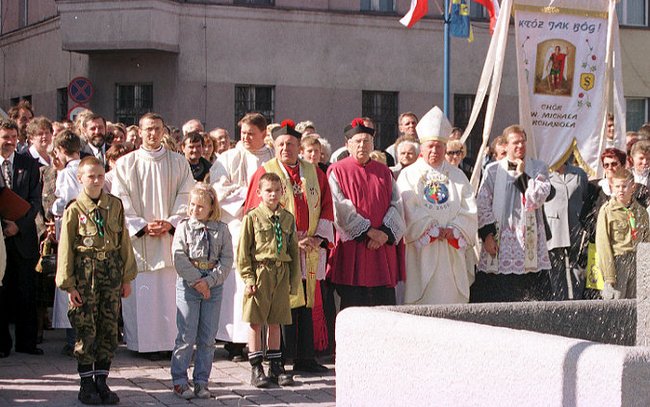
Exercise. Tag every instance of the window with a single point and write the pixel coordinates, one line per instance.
(381, 107)
(636, 113)
(387, 6)
(254, 98)
(256, 2)
(15, 101)
(132, 101)
(23, 7)
(463, 105)
(61, 103)
(632, 12)
(477, 12)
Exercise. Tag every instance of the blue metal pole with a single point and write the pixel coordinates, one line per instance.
(447, 57)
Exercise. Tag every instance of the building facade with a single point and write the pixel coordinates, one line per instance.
(323, 60)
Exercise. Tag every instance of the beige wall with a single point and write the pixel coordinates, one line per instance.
(319, 61)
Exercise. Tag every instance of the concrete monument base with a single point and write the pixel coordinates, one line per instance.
(388, 358)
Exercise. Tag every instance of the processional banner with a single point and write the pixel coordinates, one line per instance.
(563, 79)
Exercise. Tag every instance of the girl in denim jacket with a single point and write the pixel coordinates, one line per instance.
(203, 257)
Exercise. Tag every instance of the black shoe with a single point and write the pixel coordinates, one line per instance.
(309, 366)
(236, 352)
(278, 375)
(105, 393)
(88, 392)
(32, 351)
(258, 378)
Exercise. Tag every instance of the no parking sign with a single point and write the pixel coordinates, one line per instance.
(74, 111)
(81, 89)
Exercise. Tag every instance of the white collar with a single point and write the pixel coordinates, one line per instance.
(10, 159)
(96, 150)
(36, 155)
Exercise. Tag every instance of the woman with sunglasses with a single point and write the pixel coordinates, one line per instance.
(599, 191)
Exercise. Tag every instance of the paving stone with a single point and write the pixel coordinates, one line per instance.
(51, 380)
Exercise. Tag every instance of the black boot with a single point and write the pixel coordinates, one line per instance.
(88, 392)
(105, 393)
(277, 374)
(258, 378)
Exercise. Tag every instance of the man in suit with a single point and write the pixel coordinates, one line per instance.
(94, 134)
(18, 300)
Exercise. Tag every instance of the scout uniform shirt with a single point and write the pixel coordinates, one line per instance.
(85, 233)
(618, 231)
(273, 245)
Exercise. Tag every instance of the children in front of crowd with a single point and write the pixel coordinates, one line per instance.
(622, 224)
(95, 266)
(203, 257)
(269, 263)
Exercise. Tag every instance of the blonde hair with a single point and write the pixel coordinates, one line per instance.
(623, 174)
(207, 194)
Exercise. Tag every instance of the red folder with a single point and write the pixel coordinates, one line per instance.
(12, 206)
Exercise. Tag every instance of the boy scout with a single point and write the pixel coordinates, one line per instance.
(95, 266)
(268, 262)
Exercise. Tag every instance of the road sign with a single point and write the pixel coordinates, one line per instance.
(75, 110)
(81, 89)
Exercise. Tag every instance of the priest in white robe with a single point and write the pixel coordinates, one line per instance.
(514, 263)
(230, 175)
(441, 222)
(153, 184)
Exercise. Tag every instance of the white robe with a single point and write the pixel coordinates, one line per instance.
(230, 175)
(436, 272)
(152, 185)
(500, 203)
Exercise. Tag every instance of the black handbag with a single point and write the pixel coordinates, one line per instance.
(47, 262)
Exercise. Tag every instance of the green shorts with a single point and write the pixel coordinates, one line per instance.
(271, 303)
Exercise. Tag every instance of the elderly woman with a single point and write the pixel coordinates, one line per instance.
(455, 154)
(39, 131)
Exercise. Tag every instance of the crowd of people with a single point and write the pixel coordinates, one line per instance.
(259, 243)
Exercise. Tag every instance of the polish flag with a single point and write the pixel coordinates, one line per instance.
(492, 7)
(419, 9)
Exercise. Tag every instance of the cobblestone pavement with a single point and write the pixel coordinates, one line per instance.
(52, 380)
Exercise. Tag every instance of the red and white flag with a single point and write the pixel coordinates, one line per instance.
(492, 7)
(419, 9)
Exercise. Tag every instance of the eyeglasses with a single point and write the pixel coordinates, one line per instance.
(611, 165)
(455, 152)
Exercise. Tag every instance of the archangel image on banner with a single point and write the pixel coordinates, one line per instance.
(554, 67)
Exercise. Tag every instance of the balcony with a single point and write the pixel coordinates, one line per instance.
(92, 26)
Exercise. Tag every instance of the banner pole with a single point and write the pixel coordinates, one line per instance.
(446, 63)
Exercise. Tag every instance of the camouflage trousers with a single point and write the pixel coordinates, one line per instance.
(95, 321)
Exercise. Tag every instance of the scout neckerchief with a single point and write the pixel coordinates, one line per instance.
(98, 219)
(311, 191)
(277, 231)
(632, 220)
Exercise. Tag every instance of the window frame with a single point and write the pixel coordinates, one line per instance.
(375, 6)
(461, 119)
(131, 115)
(645, 110)
(623, 16)
(253, 105)
(386, 129)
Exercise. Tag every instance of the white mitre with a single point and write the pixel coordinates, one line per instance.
(433, 126)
